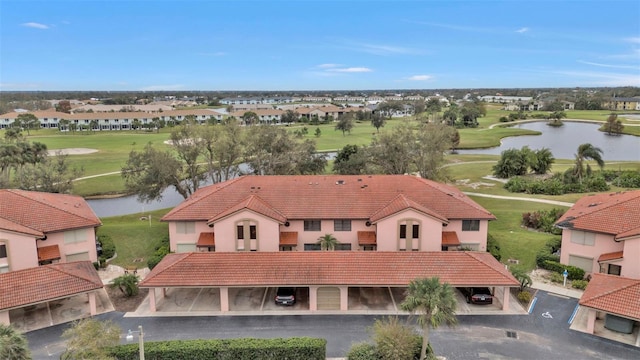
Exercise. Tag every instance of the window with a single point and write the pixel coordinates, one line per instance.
(77, 257)
(182, 248)
(341, 225)
(312, 225)
(343, 247)
(369, 247)
(312, 247)
(183, 227)
(613, 269)
(403, 231)
(253, 234)
(3, 251)
(415, 231)
(583, 237)
(470, 225)
(75, 236)
(240, 232)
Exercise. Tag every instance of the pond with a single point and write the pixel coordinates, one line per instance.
(563, 141)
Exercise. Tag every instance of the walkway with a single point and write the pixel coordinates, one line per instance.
(544, 201)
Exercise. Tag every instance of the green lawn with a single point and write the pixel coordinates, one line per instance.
(515, 241)
(135, 238)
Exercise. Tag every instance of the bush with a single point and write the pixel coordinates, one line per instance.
(493, 247)
(579, 284)
(161, 251)
(240, 349)
(362, 351)
(574, 273)
(524, 297)
(556, 278)
(544, 255)
(543, 220)
(108, 248)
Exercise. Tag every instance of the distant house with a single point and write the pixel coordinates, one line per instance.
(38, 228)
(601, 234)
(621, 103)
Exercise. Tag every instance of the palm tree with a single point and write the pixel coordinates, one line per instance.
(328, 242)
(587, 152)
(433, 303)
(13, 345)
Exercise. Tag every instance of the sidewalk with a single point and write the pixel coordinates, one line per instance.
(557, 289)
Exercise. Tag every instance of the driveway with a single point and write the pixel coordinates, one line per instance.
(476, 337)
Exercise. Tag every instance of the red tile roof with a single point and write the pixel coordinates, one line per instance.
(35, 285)
(450, 238)
(611, 256)
(206, 239)
(617, 214)
(613, 294)
(401, 203)
(354, 268)
(46, 253)
(289, 238)
(255, 204)
(33, 212)
(327, 197)
(367, 238)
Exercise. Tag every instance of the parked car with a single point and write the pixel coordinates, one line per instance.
(477, 295)
(285, 296)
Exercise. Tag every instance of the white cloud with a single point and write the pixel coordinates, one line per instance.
(603, 78)
(35, 25)
(635, 40)
(609, 65)
(162, 87)
(522, 30)
(420, 77)
(351, 70)
(328, 66)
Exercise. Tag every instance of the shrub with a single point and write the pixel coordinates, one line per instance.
(556, 278)
(543, 220)
(521, 275)
(512, 162)
(579, 284)
(161, 251)
(362, 351)
(574, 273)
(108, 248)
(240, 349)
(524, 297)
(127, 283)
(493, 247)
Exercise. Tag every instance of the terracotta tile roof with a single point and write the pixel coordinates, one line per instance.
(367, 238)
(613, 294)
(44, 212)
(450, 238)
(611, 256)
(289, 238)
(328, 197)
(401, 203)
(254, 203)
(9, 225)
(617, 214)
(35, 285)
(206, 239)
(357, 268)
(46, 253)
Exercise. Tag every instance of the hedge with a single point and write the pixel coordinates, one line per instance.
(574, 273)
(226, 349)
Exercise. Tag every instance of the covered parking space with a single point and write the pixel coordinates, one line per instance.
(51, 294)
(610, 308)
(325, 280)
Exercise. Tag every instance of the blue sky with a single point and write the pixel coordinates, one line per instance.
(317, 45)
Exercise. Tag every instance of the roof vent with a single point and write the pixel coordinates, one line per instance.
(593, 204)
(340, 182)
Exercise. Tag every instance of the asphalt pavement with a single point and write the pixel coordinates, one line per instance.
(543, 334)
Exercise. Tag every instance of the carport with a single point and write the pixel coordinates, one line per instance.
(38, 294)
(333, 278)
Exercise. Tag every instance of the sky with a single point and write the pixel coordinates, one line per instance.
(240, 45)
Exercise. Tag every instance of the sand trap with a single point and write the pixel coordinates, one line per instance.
(72, 151)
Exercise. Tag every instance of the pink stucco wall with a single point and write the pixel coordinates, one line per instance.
(478, 238)
(631, 261)
(430, 231)
(603, 244)
(21, 251)
(268, 234)
(327, 227)
(88, 245)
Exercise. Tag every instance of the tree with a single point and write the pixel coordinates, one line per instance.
(388, 108)
(455, 140)
(554, 106)
(89, 339)
(63, 106)
(613, 126)
(377, 120)
(470, 112)
(586, 152)
(93, 124)
(433, 303)
(250, 118)
(28, 121)
(513, 162)
(433, 107)
(390, 152)
(149, 172)
(541, 161)
(427, 154)
(521, 275)
(135, 124)
(289, 117)
(327, 242)
(13, 345)
(223, 148)
(557, 117)
(350, 160)
(63, 124)
(188, 145)
(127, 283)
(451, 115)
(345, 123)
(50, 174)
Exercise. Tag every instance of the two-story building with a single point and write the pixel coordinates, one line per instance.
(265, 231)
(601, 234)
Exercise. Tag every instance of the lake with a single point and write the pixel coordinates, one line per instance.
(563, 141)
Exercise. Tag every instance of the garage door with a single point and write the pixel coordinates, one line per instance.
(328, 298)
(583, 263)
(78, 257)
